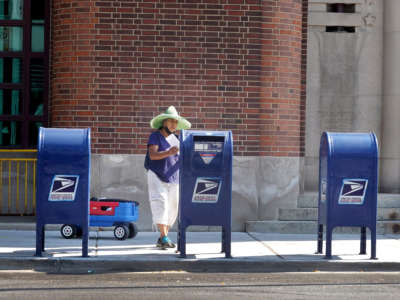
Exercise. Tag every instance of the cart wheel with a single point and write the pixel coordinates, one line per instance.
(133, 230)
(68, 231)
(121, 232)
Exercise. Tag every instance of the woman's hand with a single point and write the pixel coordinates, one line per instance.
(155, 155)
(173, 150)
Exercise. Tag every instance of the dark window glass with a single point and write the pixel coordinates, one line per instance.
(36, 104)
(10, 133)
(341, 8)
(11, 9)
(33, 132)
(36, 71)
(37, 41)
(10, 38)
(350, 29)
(37, 10)
(36, 87)
(23, 71)
(10, 102)
(37, 16)
(10, 70)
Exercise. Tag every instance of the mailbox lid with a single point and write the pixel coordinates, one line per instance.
(354, 145)
(64, 141)
(189, 136)
(206, 152)
(351, 155)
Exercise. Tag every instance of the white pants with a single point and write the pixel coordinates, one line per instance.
(164, 200)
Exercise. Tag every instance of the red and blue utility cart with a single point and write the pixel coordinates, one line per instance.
(106, 212)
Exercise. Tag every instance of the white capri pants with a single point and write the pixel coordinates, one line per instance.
(164, 200)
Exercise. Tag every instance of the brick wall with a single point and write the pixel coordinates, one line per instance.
(281, 107)
(234, 64)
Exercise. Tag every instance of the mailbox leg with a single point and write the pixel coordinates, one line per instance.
(223, 249)
(39, 239)
(320, 238)
(227, 241)
(43, 236)
(373, 243)
(85, 241)
(328, 254)
(363, 241)
(178, 239)
(182, 243)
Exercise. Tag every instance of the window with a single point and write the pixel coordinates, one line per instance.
(341, 8)
(340, 29)
(24, 31)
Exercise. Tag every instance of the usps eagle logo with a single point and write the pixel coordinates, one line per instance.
(353, 191)
(63, 188)
(206, 190)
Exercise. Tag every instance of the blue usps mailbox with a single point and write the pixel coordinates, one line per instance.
(348, 186)
(63, 174)
(205, 166)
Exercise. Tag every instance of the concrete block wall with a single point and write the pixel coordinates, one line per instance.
(261, 185)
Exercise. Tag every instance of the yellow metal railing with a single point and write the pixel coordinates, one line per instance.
(17, 182)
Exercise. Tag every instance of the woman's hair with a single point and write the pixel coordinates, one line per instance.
(162, 125)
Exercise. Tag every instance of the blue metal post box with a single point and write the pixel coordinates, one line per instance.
(348, 186)
(63, 182)
(205, 177)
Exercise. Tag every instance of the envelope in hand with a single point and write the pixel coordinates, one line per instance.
(173, 141)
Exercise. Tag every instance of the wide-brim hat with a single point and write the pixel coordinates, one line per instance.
(170, 113)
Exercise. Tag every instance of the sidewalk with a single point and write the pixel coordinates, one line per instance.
(252, 252)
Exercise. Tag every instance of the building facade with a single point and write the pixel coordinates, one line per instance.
(269, 71)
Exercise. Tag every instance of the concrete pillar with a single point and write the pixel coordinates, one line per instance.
(390, 143)
(344, 77)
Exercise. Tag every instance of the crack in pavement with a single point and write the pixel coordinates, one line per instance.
(265, 245)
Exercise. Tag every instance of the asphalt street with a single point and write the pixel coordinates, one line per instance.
(186, 285)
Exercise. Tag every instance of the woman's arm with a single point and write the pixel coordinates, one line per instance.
(155, 155)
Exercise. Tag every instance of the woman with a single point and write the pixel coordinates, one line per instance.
(163, 172)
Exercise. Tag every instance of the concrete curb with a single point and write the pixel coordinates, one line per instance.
(88, 265)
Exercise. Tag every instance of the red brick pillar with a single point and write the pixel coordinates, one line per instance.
(228, 65)
(281, 109)
(73, 30)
